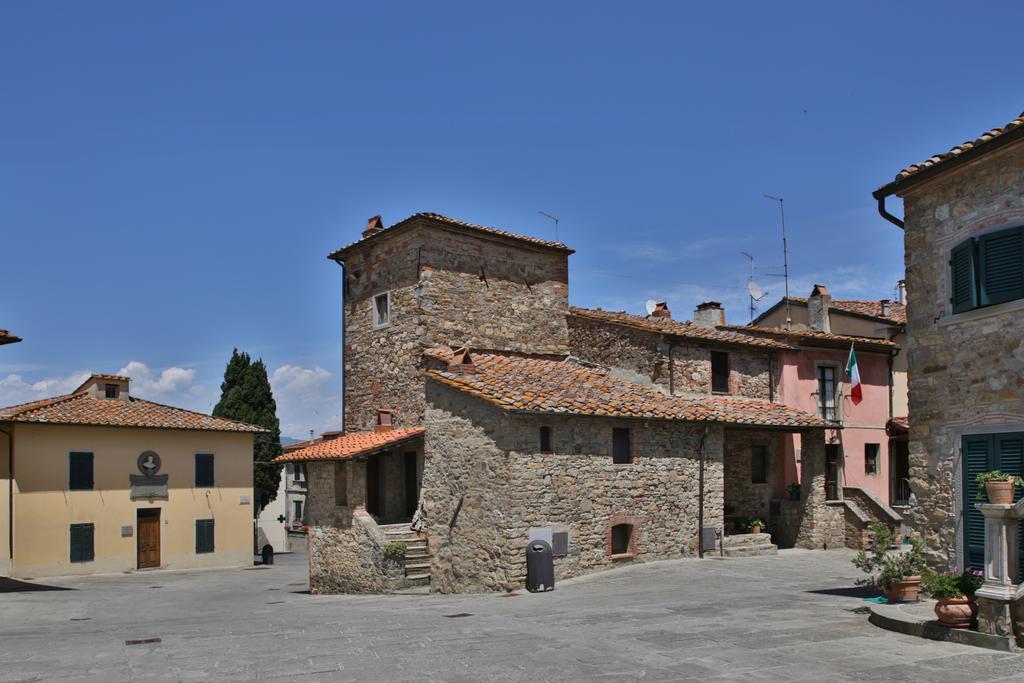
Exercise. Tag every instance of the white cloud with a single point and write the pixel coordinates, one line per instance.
(172, 380)
(14, 389)
(307, 398)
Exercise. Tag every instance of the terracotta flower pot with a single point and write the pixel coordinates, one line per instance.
(755, 529)
(1000, 492)
(903, 590)
(956, 612)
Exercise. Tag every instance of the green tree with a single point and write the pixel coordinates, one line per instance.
(245, 395)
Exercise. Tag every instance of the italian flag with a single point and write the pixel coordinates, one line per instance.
(854, 372)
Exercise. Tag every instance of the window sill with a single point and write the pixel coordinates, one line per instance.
(618, 557)
(981, 313)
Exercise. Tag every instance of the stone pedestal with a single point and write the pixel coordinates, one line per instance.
(1000, 598)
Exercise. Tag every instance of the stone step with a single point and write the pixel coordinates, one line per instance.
(744, 540)
(417, 580)
(417, 567)
(413, 555)
(752, 551)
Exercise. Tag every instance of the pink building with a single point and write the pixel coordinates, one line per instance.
(864, 462)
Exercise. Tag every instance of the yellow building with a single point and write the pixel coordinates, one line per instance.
(100, 481)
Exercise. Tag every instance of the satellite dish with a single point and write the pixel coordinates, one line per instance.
(650, 306)
(756, 293)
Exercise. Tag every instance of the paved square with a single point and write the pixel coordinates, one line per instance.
(765, 618)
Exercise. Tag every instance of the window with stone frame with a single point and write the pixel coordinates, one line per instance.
(759, 465)
(341, 484)
(827, 403)
(622, 539)
(545, 439)
(382, 310)
(621, 447)
(871, 458)
(720, 372)
(111, 390)
(987, 270)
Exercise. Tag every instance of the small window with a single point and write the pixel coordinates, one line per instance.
(297, 471)
(204, 536)
(80, 472)
(545, 439)
(340, 484)
(622, 537)
(759, 465)
(82, 542)
(382, 310)
(204, 470)
(297, 507)
(871, 458)
(112, 390)
(621, 454)
(987, 270)
(827, 393)
(720, 372)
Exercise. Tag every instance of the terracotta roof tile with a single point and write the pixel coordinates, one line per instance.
(8, 338)
(810, 336)
(351, 445)
(438, 218)
(976, 145)
(685, 329)
(871, 309)
(542, 385)
(80, 408)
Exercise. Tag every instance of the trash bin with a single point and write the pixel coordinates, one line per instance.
(540, 567)
(268, 554)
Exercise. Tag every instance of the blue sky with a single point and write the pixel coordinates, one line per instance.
(172, 176)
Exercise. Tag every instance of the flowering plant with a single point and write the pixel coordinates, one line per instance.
(952, 584)
(995, 475)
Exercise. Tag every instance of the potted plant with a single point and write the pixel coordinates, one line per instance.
(896, 572)
(755, 525)
(998, 486)
(793, 491)
(954, 596)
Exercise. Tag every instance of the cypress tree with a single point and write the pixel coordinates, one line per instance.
(245, 395)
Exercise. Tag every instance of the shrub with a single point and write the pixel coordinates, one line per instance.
(754, 521)
(394, 550)
(885, 565)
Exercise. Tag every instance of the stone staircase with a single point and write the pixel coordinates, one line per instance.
(748, 545)
(417, 556)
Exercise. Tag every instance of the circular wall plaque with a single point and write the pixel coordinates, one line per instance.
(149, 463)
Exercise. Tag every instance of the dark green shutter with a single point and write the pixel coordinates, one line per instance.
(977, 458)
(82, 543)
(1001, 260)
(204, 536)
(964, 280)
(1010, 451)
(204, 470)
(80, 472)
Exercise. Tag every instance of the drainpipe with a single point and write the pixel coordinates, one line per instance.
(10, 493)
(888, 216)
(343, 276)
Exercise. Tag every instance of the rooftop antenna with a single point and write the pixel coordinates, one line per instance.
(554, 218)
(785, 255)
(753, 289)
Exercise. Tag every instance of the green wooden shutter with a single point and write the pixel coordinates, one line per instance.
(82, 543)
(964, 280)
(204, 470)
(80, 472)
(977, 455)
(1001, 262)
(204, 536)
(1009, 450)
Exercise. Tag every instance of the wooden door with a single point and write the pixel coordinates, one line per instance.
(149, 538)
(831, 472)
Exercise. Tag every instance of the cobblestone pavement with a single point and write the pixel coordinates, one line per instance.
(789, 617)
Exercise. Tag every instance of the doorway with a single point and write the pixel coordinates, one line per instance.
(148, 525)
(373, 485)
(412, 489)
(831, 472)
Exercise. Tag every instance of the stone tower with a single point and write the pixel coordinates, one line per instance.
(428, 281)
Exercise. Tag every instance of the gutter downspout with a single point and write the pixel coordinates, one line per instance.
(343, 282)
(10, 494)
(888, 216)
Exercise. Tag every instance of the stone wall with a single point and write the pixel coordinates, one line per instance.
(680, 364)
(744, 498)
(486, 485)
(347, 559)
(967, 371)
(821, 523)
(446, 288)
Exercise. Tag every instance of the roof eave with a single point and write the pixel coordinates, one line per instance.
(901, 185)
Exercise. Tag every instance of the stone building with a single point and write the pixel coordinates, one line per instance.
(481, 412)
(964, 249)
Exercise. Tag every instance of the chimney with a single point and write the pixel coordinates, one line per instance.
(661, 310)
(886, 307)
(901, 292)
(461, 362)
(373, 226)
(709, 314)
(818, 305)
(385, 421)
